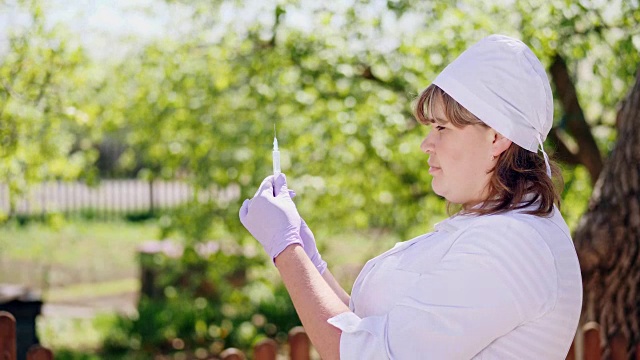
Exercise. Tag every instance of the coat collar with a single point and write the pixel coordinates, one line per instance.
(456, 222)
(463, 221)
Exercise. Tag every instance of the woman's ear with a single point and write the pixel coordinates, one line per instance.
(500, 144)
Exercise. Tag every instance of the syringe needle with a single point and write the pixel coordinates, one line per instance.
(276, 152)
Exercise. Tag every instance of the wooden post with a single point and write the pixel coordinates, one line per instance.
(37, 352)
(151, 203)
(592, 350)
(572, 351)
(7, 336)
(265, 349)
(232, 354)
(299, 343)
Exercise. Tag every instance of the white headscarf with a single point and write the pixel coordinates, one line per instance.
(501, 81)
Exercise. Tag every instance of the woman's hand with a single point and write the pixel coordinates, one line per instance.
(308, 240)
(271, 216)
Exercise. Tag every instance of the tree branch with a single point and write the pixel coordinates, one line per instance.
(562, 152)
(368, 74)
(588, 152)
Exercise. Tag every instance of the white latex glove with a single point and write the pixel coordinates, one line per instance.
(308, 240)
(272, 219)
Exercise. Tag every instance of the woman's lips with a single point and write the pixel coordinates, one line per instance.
(433, 169)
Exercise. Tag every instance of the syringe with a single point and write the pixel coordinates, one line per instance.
(276, 153)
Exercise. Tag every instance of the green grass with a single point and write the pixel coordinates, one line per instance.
(69, 253)
(88, 291)
(85, 258)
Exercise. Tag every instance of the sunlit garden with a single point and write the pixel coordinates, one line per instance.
(131, 132)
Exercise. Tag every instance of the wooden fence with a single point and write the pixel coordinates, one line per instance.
(8, 341)
(109, 199)
(592, 348)
(300, 345)
(267, 349)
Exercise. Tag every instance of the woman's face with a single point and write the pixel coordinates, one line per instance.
(460, 159)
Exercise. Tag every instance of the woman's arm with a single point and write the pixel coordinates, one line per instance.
(314, 298)
(335, 286)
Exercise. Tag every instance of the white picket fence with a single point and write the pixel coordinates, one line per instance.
(112, 196)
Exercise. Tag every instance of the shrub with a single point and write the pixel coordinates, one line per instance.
(202, 302)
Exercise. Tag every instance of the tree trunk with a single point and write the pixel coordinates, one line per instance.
(608, 236)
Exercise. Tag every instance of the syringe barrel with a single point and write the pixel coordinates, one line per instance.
(276, 162)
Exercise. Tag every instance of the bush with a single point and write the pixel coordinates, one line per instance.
(203, 302)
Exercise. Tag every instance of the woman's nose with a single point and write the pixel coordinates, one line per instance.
(427, 145)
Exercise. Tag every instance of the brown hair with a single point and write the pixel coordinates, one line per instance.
(518, 174)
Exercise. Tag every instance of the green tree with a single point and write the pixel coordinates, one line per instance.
(45, 88)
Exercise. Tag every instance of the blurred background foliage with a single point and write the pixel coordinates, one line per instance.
(201, 106)
(337, 79)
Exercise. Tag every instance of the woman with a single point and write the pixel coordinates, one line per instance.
(499, 280)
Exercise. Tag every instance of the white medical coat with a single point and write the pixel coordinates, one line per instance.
(502, 286)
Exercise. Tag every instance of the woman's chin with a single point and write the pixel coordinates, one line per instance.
(437, 186)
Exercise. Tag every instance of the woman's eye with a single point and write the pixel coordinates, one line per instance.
(440, 128)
